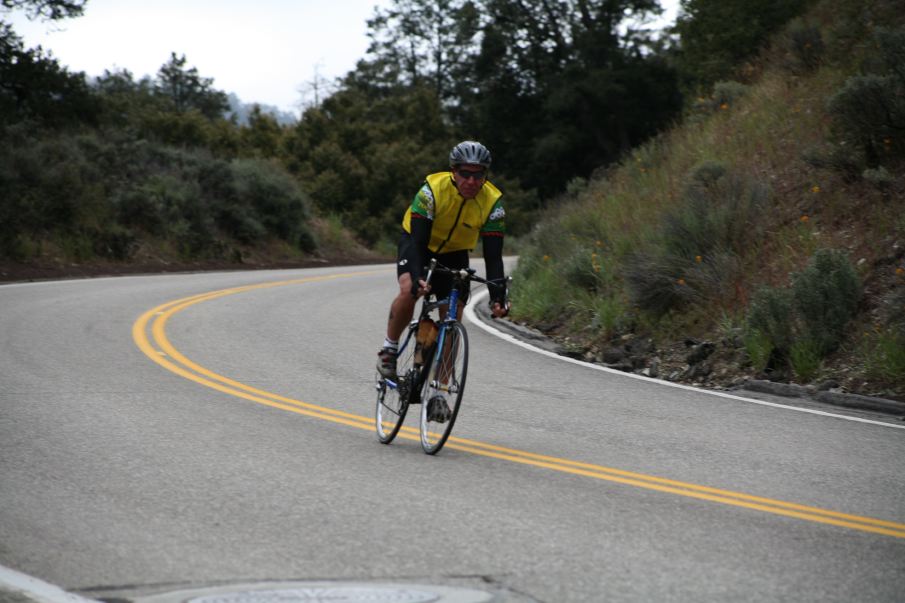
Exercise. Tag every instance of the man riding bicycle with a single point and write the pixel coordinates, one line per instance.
(448, 215)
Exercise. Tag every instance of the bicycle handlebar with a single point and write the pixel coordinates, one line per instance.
(467, 275)
(464, 274)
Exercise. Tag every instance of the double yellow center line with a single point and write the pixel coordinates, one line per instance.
(149, 334)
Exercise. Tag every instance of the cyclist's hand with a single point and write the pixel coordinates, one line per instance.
(500, 310)
(421, 289)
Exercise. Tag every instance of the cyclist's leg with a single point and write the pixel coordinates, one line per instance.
(403, 306)
(402, 309)
(456, 260)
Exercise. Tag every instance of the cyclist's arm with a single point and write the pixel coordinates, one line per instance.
(493, 262)
(492, 236)
(421, 223)
(421, 234)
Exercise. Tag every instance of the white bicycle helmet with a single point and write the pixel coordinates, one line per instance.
(470, 152)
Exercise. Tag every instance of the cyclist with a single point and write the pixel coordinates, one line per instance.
(448, 215)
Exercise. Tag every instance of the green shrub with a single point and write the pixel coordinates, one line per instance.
(770, 314)
(868, 112)
(695, 253)
(155, 204)
(879, 177)
(724, 95)
(826, 296)
(580, 268)
(239, 222)
(758, 347)
(804, 46)
(75, 246)
(277, 202)
(719, 211)
(844, 160)
(805, 357)
(804, 323)
(610, 315)
(727, 93)
(115, 242)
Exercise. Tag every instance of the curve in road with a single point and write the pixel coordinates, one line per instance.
(149, 334)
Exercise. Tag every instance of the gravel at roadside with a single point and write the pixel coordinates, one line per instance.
(760, 389)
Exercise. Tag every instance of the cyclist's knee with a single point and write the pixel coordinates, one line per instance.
(405, 288)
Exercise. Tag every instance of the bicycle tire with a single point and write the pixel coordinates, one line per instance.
(394, 397)
(446, 378)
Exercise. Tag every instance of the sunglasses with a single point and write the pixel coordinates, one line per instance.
(476, 174)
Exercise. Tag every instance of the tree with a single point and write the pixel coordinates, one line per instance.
(363, 152)
(187, 90)
(717, 35)
(558, 92)
(419, 42)
(47, 9)
(33, 85)
(262, 136)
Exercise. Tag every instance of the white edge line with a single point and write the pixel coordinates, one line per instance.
(473, 318)
(36, 589)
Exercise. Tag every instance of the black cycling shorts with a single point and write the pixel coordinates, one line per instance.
(441, 283)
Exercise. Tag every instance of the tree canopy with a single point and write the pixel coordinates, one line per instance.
(555, 88)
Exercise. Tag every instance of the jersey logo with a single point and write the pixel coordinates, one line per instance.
(403, 261)
(497, 214)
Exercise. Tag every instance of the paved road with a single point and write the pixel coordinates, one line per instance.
(236, 447)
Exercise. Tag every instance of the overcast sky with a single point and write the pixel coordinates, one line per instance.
(266, 51)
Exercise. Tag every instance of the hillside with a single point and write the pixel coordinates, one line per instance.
(763, 237)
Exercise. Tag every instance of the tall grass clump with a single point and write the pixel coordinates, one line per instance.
(566, 271)
(884, 349)
(537, 289)
(885, 357)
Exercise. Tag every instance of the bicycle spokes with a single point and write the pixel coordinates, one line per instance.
(393, 396)
(442, 394)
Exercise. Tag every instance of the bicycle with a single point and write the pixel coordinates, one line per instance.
(431, 367)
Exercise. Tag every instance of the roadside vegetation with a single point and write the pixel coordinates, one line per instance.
(764, 237)
(715, 204)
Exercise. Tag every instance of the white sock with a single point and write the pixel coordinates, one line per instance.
(388, 343)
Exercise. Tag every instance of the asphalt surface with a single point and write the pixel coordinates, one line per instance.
(123, 478)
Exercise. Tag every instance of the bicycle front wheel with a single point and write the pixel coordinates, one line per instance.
(444, 386)
(394, 395)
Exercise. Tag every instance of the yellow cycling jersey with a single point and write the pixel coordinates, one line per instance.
(457, 222)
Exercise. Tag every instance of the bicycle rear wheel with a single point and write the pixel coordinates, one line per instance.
(393, 396)
(444, 386)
